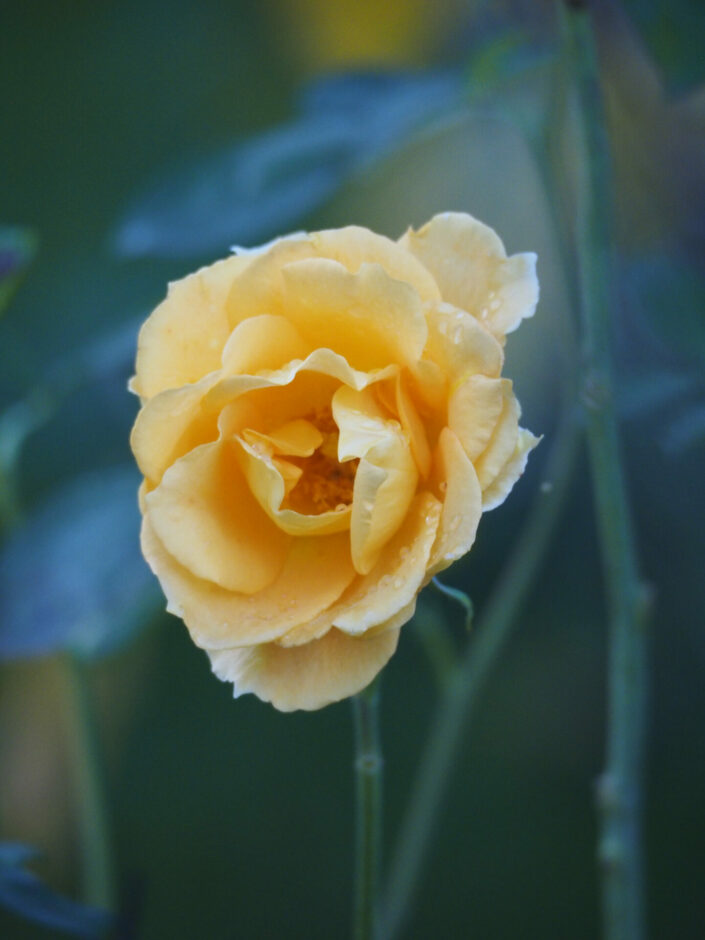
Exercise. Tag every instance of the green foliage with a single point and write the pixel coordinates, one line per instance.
(18, 247)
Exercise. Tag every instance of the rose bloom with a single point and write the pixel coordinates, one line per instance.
(323, 423)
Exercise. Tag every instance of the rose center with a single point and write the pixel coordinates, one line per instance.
(325, 483)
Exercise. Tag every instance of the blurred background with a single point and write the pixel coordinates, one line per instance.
(141, 139)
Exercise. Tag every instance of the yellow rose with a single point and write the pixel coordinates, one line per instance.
(323, 422)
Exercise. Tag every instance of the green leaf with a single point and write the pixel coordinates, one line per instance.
(17, 249)
(25, 894)
(72, 577)
(250, 191)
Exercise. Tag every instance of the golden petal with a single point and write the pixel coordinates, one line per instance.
(462, 502)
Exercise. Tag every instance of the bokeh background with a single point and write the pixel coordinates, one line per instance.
(140, 139)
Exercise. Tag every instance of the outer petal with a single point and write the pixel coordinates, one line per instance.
(470, 265)
(171, 424)
(206, 517)
(368, 317)
(474, 408)
(184, 337)
(386, 597)
(308, 676)
(354, 246)
(504, 439)
(315, 574)
(462, 506)
(498, 491)
(460, 345)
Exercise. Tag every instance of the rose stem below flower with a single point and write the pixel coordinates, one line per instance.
(368, 828)
(463, 688)
(97, 873)
(619, 794)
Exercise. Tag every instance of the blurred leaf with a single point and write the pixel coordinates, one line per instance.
(25, 894)
(72, 577)
(17, 249)
(263, 186)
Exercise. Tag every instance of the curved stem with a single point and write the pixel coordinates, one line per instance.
(620, 788)
(97, 873)
(464, 687)
(368, 777)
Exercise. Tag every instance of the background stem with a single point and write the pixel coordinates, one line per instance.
(368, 779)
(620, 787)
(97, 873)
(464, 686)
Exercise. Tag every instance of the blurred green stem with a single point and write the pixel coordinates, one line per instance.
(620, 787)
(463, 688)
(97, 873)
(368, 843)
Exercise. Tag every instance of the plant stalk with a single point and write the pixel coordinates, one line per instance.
(619, 792)
(368, 834)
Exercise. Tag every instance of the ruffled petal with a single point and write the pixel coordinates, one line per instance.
(474, 408)
(413, 427)
(315, 574)
(309, 676)
(171, 424)
(460, 345)
(386, 477)
(369, 317)
(354, 246)
(504, 439)
(462, 502)
(263, 342)
(497, 492)
(184, 337)
(470, 265)
(206, 517)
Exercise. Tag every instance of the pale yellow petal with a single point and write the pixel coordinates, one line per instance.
(499, 489)
(315, 574)
(369, 318)
(309, 676)
(474, 408)
(206, 517)
(385, 598)
(269, 488)
(183, 339)
(297, 438)
(171, 424)
(354, 246)
(462, 502)
(470, 265)
(414, 427)
(386, 477)
(504, 439)
(262, 342)
(460, 345)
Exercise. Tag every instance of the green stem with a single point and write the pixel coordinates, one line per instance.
(368, 777)
(463, 689)
(97, 873)
(620, 788)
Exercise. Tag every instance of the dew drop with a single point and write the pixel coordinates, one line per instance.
(398, 584)
(485, 313)
(385, 581)
(341, 507)
(454, 523)
(368, 505)
(443, 486)
(495, 305)
(403, 552)
(457, 335)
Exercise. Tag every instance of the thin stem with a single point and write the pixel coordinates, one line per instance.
(97, 873)
(368, 777)
(463, 690)
(620, 788)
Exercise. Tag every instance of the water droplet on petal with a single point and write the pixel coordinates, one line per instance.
(484, 313)
(385, 581)
(457, 335)
(403, 552)
(454, 523)
(443, 486)
(495, 305)
(398, 584)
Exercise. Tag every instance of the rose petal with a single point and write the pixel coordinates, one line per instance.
(171, 424)
(354, 246)
(460, 345)
(385, 598)
(470, 265)
(497, 492)
(263, 342)
(309, 676)
(184, 337)
(206, 517)
(462, 504)
(504, 438)
(414, 427)
(315, 574)
(474, 408)
(267, 484)
(298, 438)
(368, 317)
